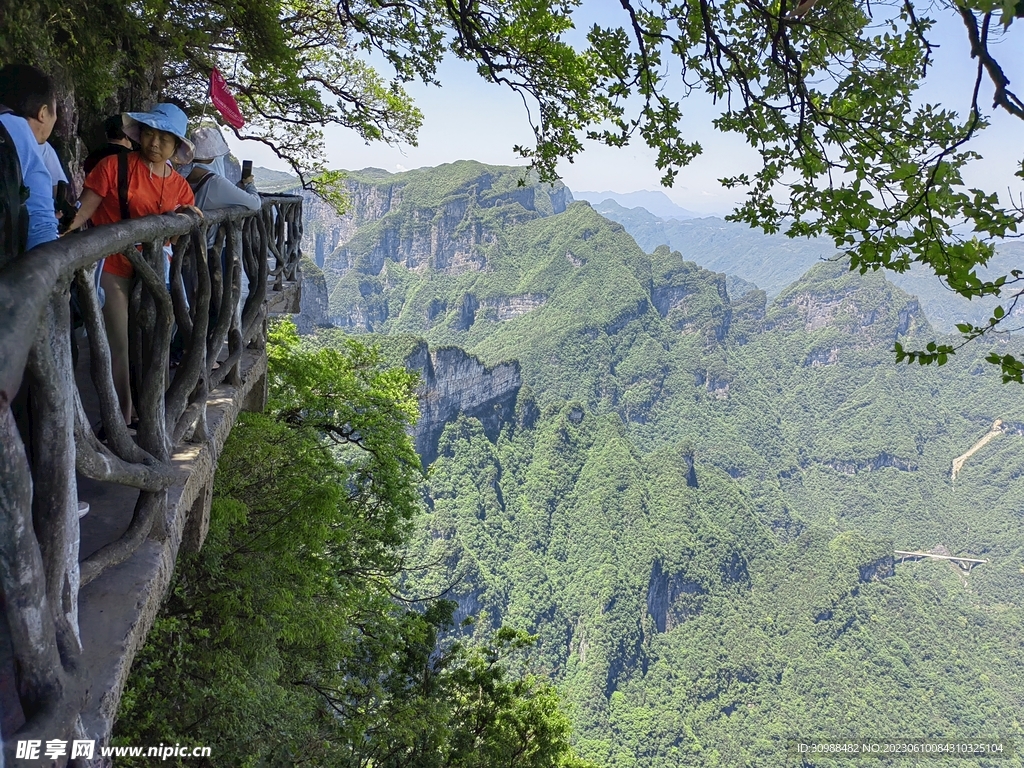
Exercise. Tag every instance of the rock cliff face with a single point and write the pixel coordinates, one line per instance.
(821, 357)
(446, 222)
(672, 599)
(816, 311)
(313, 304)
(455, 382)
(880, 569)
(692, 299)
(468, 605)
(440, 239)
(868, 308)
(881, 461)
(502, 308)
(323, 229)
(495, 308)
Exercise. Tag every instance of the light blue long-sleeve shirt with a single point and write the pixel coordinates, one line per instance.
(42, 223)
(218, 192)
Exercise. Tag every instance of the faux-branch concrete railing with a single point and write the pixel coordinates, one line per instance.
(40, 575)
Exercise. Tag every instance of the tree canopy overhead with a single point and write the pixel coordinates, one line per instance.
(827, 92)
(300, 65)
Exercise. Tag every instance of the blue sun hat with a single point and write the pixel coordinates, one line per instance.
(163, 117)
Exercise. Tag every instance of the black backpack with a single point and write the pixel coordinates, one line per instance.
(13, 196)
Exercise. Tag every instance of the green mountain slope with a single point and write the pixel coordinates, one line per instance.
(772, 262)
(696, 499)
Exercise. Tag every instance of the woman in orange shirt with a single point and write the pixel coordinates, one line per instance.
(153, 188)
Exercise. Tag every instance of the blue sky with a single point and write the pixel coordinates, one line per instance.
(468, 118)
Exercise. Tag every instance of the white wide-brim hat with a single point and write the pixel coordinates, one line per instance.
(163, 117)
(208, 143)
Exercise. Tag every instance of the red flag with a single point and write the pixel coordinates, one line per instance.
(223, 100)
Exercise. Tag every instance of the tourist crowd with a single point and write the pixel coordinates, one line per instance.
(150, 164)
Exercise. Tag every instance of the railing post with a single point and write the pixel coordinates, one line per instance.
(29, 616)
(55, 501)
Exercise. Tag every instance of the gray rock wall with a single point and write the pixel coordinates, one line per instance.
(390, 221)
(672, 598)
(313, 304)
(455, 382)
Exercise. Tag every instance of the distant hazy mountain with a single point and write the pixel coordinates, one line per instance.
(268, 180)
(657, 203)
(772, 262)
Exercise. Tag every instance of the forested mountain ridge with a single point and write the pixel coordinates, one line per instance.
(695, 497)
(446, 222)
(772, 262)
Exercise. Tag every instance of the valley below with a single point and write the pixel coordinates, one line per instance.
(683, 457)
